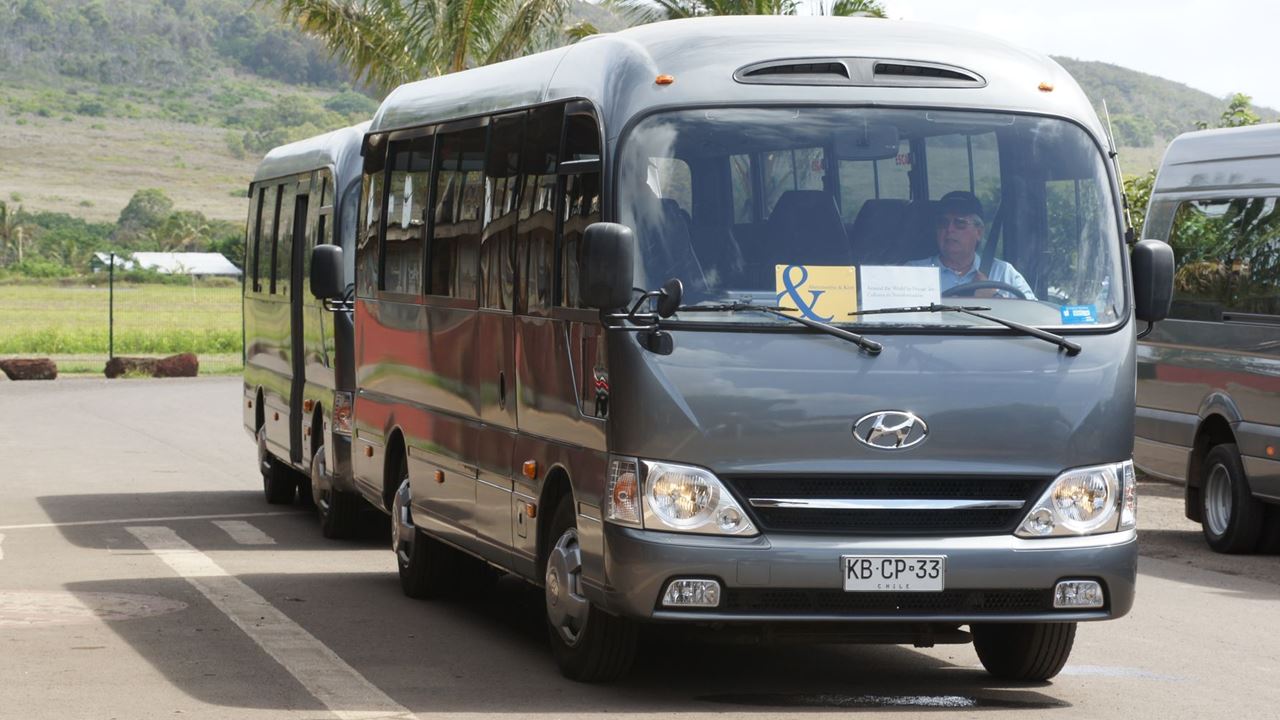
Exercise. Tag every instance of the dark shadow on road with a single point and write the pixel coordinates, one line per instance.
(99, 521)
(488, 654)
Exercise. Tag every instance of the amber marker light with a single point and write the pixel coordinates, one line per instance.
(665, 79)
(531, 510)
(439, 476)
(530, 469)
(1271, 451)
(1046, 87)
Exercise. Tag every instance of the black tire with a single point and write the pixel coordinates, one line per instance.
(1232, 518)
(427, 566)
(1270, 541)
(603, 646)
(1024, 652)
(337, 511)
(279, 484)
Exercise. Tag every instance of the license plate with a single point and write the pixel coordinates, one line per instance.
(877, 573)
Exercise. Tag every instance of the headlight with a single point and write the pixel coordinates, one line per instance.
(1085, 501)
(674, 498)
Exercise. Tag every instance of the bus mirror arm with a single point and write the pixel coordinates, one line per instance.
(1152, 266)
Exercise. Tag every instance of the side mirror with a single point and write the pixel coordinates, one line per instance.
(326, 273)
(1152, 264)
(607, 272)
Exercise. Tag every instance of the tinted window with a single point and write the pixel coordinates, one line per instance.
(1228, 257)
(581, 201)
(453, 261)
(498, 241)
(537, 206)
(367, 241)
(284, 240)
(407, 191)
(264, 238)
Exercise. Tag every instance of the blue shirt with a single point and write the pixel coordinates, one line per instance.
(1001, 271)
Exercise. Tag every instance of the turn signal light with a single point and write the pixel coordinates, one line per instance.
(439, 476)
(530, 469)
(665, 79)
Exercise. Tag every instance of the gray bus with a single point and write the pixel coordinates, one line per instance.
(1209, 379)
(298, 366)
(797, 327)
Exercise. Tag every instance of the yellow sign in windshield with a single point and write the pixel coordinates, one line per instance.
(827, 293)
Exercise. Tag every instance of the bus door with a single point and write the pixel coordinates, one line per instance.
(296, 294)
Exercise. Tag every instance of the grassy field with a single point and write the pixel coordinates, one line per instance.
(72, 321)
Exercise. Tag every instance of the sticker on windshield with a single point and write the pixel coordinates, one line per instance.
(1079, 315)
(826, 293)
(893, 286)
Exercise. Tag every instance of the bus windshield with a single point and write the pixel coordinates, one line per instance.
(831, 212)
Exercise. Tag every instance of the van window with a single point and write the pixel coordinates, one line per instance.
(368, 258)
(537, 207)
(498, 240)
(409, 165)
(264, 237)
(453, 257)
(581, 202)
(1228, 258)
(284, 240)
(1045, 240)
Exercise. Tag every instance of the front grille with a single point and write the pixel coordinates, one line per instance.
(836, 602)
(888, 522)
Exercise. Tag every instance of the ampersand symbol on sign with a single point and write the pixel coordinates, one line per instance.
(792, 290)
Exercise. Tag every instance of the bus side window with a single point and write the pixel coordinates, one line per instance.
(368, 252)
(1227, 258)
(284, 239)
(581, 200)
(257, 243)
(267, 237)
(453, 255)
(410, 178)
(537, 227)
(498, 241)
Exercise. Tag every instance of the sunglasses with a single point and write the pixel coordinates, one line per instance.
(959, 223)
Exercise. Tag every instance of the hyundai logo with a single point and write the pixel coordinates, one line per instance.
(890, 430)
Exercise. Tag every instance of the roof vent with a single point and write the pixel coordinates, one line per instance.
(812, 69)
(923, 72)
(858, 72)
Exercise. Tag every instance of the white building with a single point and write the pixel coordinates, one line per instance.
(174, 263)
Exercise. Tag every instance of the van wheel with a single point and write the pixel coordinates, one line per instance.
(1232, 516)
(1025, 652)
(589, 644)
(425, 564)
(336, 510)
(278, 483)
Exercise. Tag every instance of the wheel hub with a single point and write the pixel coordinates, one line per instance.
(567, 608)
(402, 534)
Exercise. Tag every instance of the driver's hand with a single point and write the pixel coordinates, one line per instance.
(989, 292)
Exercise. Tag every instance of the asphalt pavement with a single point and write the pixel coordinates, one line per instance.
(142, 575)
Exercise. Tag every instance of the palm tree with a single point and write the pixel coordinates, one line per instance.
(389, 42)
(645, 11)
(12, 233)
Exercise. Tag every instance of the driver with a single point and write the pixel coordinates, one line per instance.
(959, 234)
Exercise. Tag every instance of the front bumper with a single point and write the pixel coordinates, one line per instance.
(786, 578)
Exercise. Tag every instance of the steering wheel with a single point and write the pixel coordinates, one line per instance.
(970, 289)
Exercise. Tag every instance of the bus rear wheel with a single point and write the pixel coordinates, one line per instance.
(278, 484)
(426, 565)
(1232, 517)
(589, 644)
(1024, 652)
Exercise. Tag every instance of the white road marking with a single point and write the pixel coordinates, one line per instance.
(325, 675)
(1, 546)
(244, 533)
(125, 521)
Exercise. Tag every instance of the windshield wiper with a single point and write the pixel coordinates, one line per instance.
(1071, 348)
(870, 346)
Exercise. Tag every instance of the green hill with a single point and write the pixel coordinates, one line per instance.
(99, 98)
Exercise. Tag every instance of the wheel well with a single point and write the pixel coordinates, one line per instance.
(259, 413)
(1215, 430)
(390, 463)
(555, 487)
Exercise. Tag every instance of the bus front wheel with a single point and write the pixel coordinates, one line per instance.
(589, 644)
(1024, 652)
